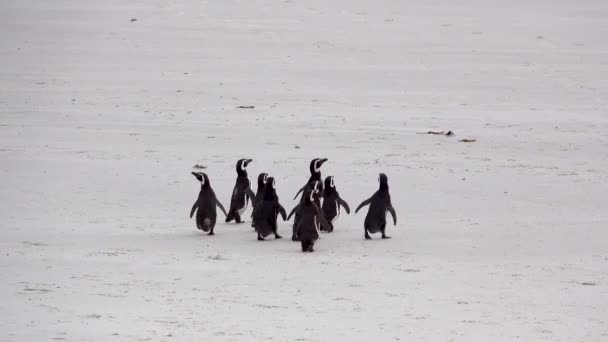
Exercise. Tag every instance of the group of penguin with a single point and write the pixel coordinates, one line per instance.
(310, 216)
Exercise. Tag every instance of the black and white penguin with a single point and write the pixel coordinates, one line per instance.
(259, 195)
(204, 206)
(314, 187)
(265, 217)
(242, 193)
(310, 221)
(379, 204)
(315, 175)
(332, 203)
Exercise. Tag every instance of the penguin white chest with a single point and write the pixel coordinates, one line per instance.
(337, 213)
(245, 201)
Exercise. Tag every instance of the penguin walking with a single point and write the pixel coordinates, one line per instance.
(204, 206)
(310, 220)
(332, 203)
(242, 193)
(315, 175)
(314, 187)
(265, 217)
(259, 195)
(379, 204)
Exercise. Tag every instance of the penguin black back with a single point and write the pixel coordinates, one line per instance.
(265, 217)
(242, 193)
(205, 205)
(310, 221)
(379, 204)
(313, 186)
(332, 203)
(259, 195)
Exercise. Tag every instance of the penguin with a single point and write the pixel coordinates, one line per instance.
(315, 174)
(259, 195)
(379, 204)
(205, 205)
(332, 203)
(310, 220)
(314, 187)
(265, 217)
(242, 193)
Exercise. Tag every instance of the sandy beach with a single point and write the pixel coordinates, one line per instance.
(105, 106)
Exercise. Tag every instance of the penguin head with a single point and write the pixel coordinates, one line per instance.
(329, 186)
(203, 178)
(309, 196)
(313, 186)
(270, 184)
(329, 182)
(315, 165)
(241, 166)
(383, 180)
(270, 189)
(262, 178)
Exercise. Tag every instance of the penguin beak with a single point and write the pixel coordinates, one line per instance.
(247, 161)
(321, 161)
(198, 176)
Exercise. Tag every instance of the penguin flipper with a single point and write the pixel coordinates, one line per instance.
(282, 211)
(251, 195)
(392, 211)
(293, 211)
(194, 207)
(219, 205)
(299, 191)
(344, 205)
(363, 204)
(322, 219)
(253, 210)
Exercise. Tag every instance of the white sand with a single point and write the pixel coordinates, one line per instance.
(102, 118)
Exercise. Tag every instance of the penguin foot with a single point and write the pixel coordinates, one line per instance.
(260, 238)
(277, 236)
(367, 237)
(211, 233)
(385, 237)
